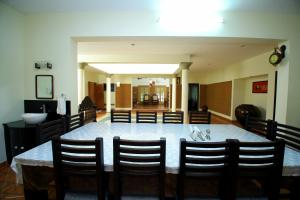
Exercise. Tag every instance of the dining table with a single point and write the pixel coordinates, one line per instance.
(33, 168)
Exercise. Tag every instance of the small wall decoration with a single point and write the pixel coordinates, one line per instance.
(260, 87)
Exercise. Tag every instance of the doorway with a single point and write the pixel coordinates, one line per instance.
(150, 94)
(193, 101)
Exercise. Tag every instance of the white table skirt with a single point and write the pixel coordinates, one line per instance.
(42, 155)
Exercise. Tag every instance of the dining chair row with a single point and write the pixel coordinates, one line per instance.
(46, 130)
(273, 130)
(227, 162)
(168, 117)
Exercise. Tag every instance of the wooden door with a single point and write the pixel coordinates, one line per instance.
(178, 96)
(91, 91)
(99, 96)
(123, 96)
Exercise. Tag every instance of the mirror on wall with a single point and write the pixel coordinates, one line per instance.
(44, 86)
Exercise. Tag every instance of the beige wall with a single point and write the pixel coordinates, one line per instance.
(255, 67)
(11, 69)
(243, 94)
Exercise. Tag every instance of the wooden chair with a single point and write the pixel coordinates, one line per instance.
(259, 163)
(89, 116)
(200, 161)
(199, 117)
(120, 116)
(155, 100)
(259, 126)
(173, 117)
(146, 99)
(81, 161)
(47, 130)
(139, 159)
(146, 117)
(74, 121)
(290, 134)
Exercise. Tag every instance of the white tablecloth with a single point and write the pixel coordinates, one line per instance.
(42, 155)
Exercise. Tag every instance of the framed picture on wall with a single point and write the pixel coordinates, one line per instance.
(260, 87)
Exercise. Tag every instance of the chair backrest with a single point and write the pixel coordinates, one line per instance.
(90, 116)
(206, 160)
(261, 161)
(74, 121)
(139, 158)
(78, 159)
(262, 127)
(47, 130)
(146, 117)
(173, 117)
(290, 134)
(121, 116)
(199, 117)
(154, 97)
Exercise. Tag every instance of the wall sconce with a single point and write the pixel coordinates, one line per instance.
(43, 64)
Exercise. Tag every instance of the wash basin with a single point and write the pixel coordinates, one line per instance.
(34, 118)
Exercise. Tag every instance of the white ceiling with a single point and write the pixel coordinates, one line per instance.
(37, 6)
(206, 53)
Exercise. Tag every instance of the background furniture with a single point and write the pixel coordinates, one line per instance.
(19, 137)
(146, 117)
(173, 117)
(262, 127)
(146, 99)
(74, 121)
(89, 116)
(243, 110)
(120, 116)
(35, 106)
(78, 160)
(47, 130)
(198, 117)
(86, 104)
(155, 100)
(128, 156)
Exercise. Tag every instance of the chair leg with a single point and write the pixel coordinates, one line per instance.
(180, 186)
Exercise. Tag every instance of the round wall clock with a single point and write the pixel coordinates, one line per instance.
(278, 54)
(275, 58)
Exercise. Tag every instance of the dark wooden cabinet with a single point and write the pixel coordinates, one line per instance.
(19, 137)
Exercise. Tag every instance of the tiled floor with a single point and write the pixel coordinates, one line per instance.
(9, 189)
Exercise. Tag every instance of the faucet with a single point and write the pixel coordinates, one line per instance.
(43, 108)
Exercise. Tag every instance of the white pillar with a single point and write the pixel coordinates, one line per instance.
(173, 94)
(81, 82)
(108, 94)
(185, 88)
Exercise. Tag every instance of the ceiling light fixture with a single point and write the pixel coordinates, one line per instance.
(191, 15)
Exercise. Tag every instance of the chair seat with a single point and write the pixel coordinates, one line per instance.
(80, 196)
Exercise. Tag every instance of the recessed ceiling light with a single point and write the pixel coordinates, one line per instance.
(136, 68)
